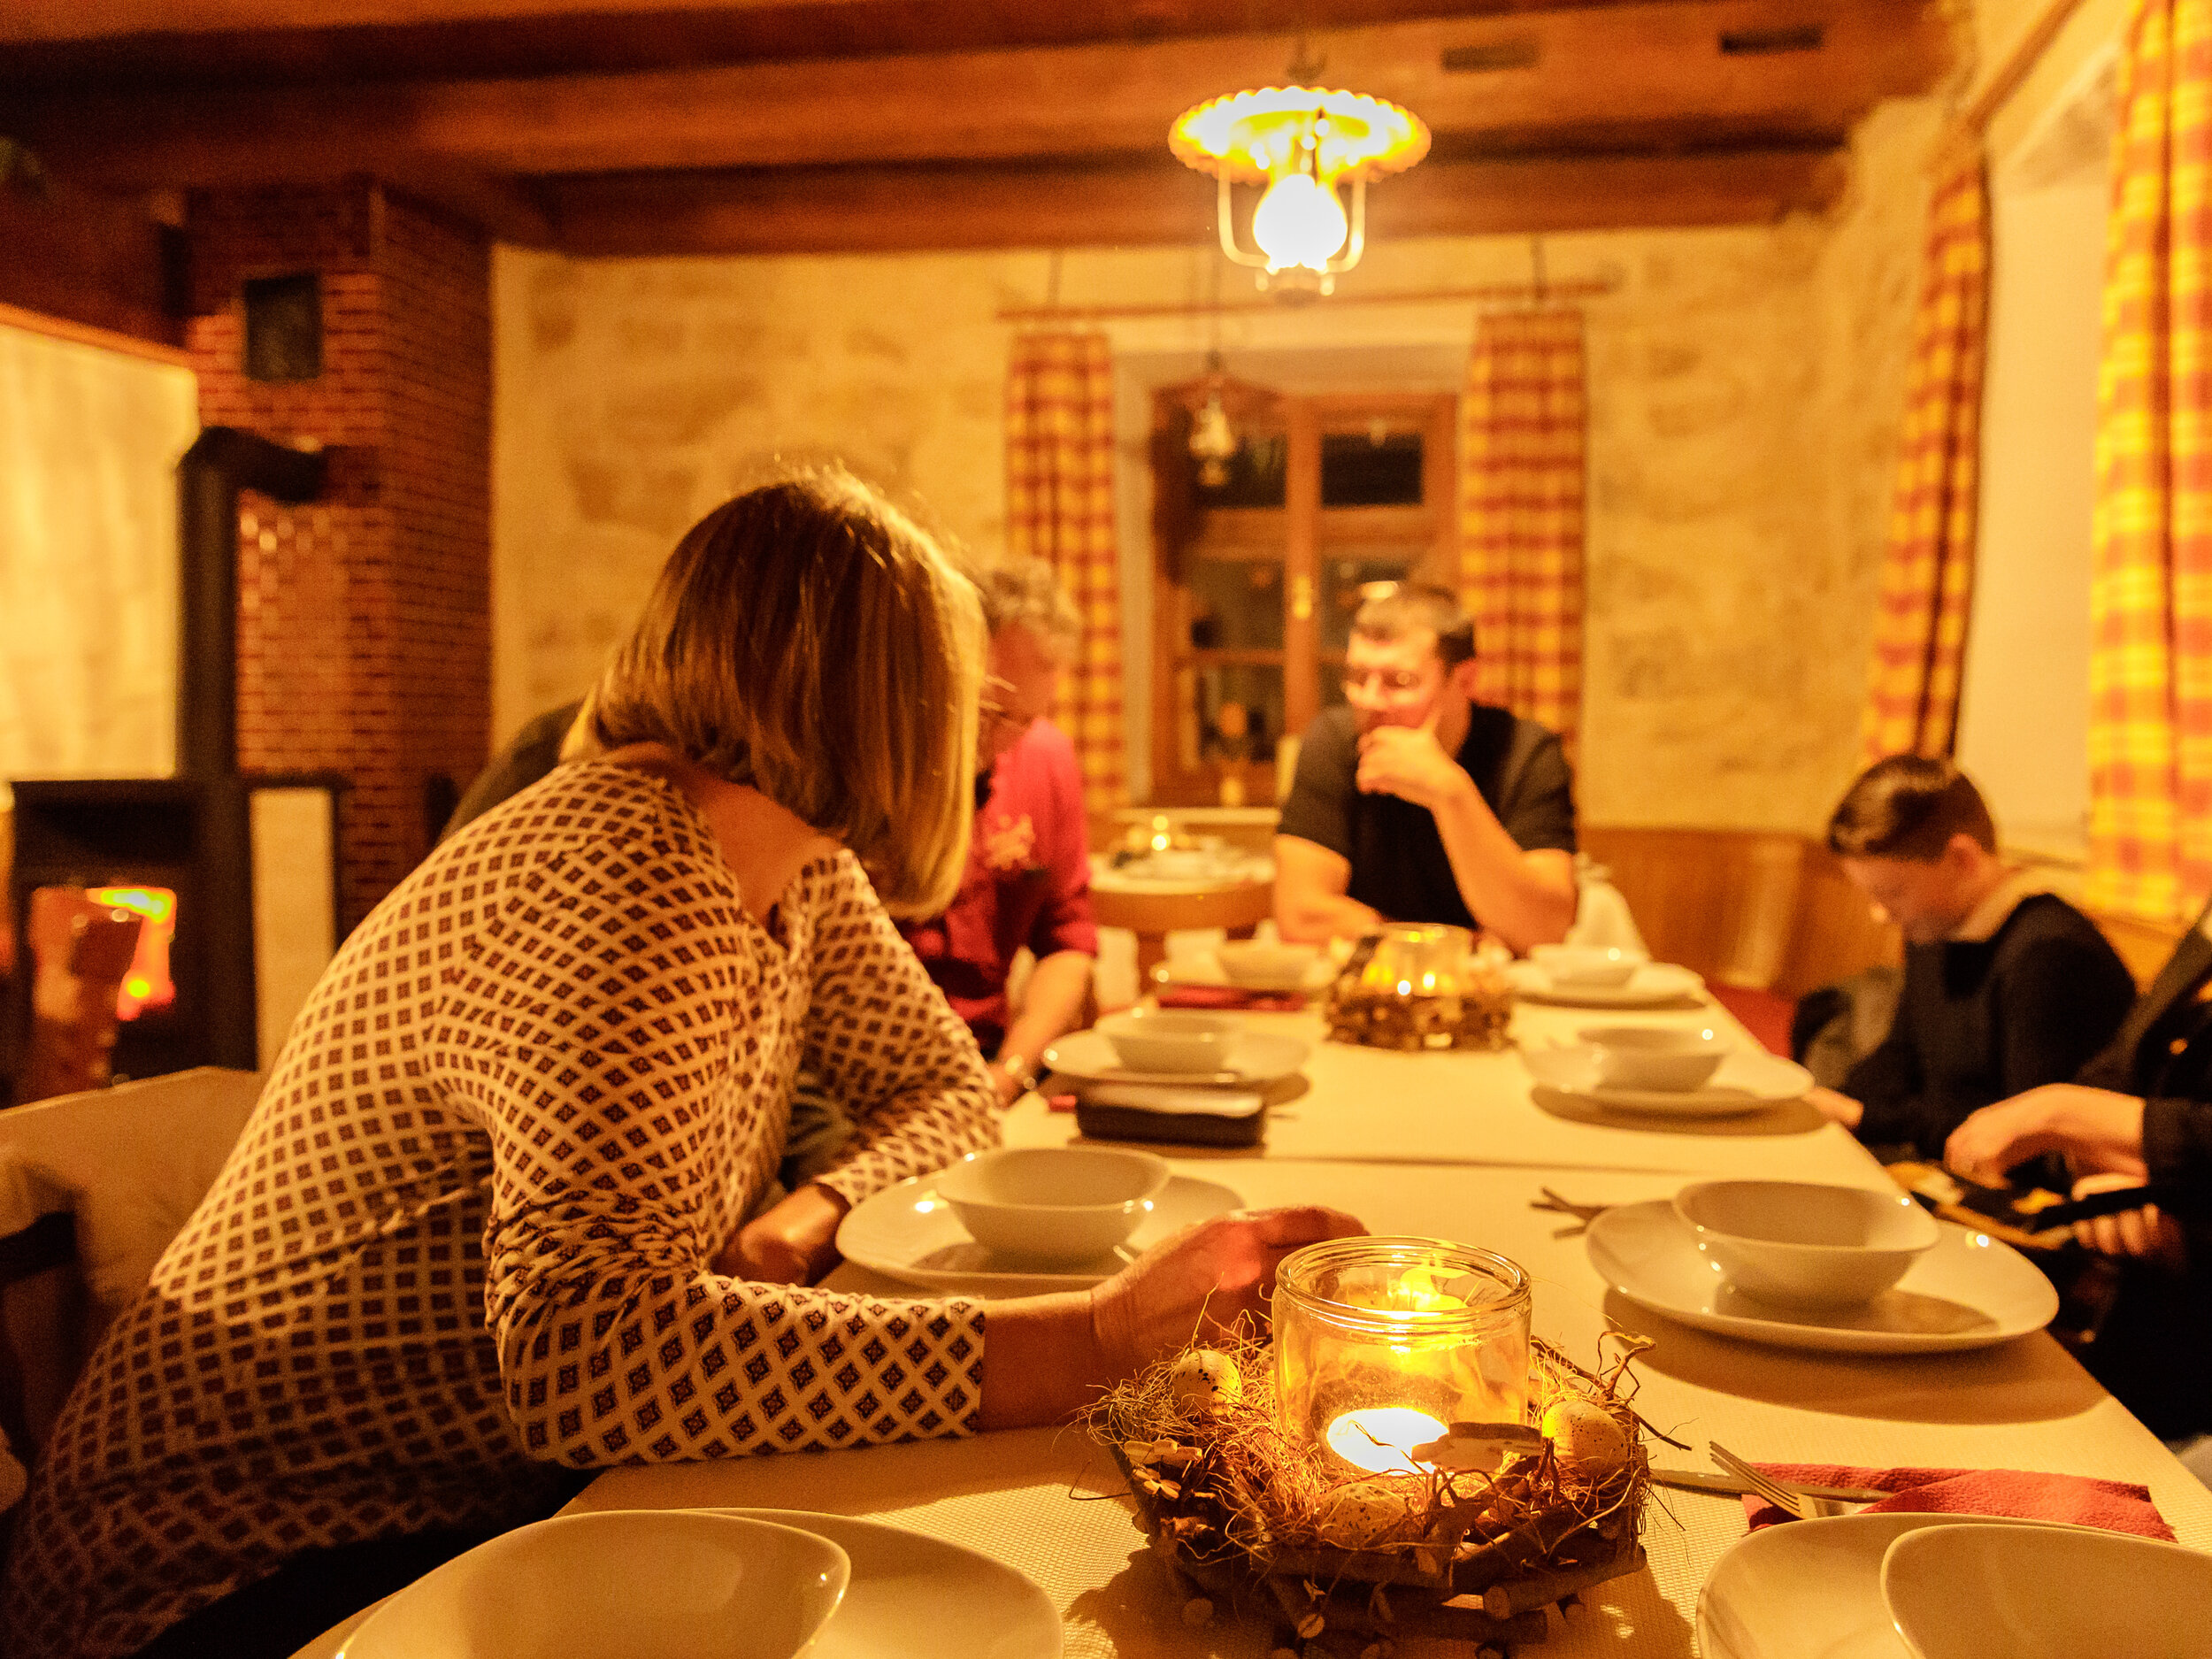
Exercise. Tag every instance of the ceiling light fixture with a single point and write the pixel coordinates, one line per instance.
(1304, 145)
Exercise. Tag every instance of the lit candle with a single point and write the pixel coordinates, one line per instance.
(1380, 1439)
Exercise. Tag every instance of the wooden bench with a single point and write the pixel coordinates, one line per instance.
(1750, 910)
(1775, 913)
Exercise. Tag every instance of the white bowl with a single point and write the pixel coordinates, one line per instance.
(1265, 967)
(646, 1584)
(1053, 1203)
(1588, 966)
(1971, 1592)
(1156, 1039)
(1182, 863)
(1804, 1245)
(1656, 1056)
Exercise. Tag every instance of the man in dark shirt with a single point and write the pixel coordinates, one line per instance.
(2007, 987)
(1416, 803)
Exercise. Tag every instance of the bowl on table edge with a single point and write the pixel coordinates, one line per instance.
(1981, 1592)
(646, 1583)
(1053, 1203)
(1805, 1245)
(1263, 965)
(1656, 1056)
(1169, 1039)
(1590, 967)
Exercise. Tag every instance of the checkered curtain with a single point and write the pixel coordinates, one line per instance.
(2150, 666)
(1522, 428)
(1928, 571)
(1059, 507)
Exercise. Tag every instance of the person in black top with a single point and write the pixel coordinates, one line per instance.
(2140, 1112)
(1416, 803)
(2005, 987)
(533, 751)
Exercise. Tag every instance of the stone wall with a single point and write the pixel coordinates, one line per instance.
(1745, 384)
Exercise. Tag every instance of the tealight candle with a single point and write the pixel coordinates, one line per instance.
(1381, 1343)
(1381, 1438)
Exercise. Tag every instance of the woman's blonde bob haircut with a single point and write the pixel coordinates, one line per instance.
(808, 639)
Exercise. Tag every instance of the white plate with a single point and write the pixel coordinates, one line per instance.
(1255, 1058)
(1800, 1590)
(1203, 968)
(1747, 1081)
(1968, 1291)
(1652, 985)
(916, 1597)
(907, 1233)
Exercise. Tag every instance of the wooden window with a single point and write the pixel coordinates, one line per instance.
(1256, 576)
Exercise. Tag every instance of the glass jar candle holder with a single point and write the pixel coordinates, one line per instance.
(1381, 1343)
(1415, 988)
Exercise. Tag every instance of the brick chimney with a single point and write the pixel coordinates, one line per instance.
(364, 619)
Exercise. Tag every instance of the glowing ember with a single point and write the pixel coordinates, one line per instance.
(146, 984)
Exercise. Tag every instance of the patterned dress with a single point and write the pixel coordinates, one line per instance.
(466, 1232)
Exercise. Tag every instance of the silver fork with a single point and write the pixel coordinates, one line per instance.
(1584, 1213)
(1780, 1494)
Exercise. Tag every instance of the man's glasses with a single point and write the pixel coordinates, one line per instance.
(991, 707)
(1395, 681)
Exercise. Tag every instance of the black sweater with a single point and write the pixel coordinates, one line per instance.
(2164, 1053)
(1981, 1019)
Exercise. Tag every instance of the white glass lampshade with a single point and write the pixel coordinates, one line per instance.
(1299, 222)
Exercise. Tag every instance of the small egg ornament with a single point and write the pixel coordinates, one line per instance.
(1203, 1379)
(1361, 1514)
(1586, 1439)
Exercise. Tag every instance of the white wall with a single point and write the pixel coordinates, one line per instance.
(2023, 720)
(88, 445)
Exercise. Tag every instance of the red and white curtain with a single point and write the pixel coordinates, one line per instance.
(1927, 579)
(1524, 425)
(1060, 508)
(2150, 668)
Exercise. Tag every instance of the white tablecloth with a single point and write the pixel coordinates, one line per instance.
(1481, 1111)
(1454, 1146)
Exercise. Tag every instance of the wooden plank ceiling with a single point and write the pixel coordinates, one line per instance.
(627, 126)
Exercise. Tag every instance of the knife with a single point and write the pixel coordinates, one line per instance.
(1698, 1480)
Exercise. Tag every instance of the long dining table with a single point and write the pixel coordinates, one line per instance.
(1457, 1146)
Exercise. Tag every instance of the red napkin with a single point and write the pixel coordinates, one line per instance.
(1231, 996)
(2117, 1506)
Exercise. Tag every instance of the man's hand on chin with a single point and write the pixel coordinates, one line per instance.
(1407, 761)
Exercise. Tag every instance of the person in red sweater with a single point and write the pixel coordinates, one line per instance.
(1028, 879)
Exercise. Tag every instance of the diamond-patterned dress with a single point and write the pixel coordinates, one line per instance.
(466, 1232)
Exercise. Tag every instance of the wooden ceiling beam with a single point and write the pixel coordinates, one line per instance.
(76, 20)
(880, 210)
(1626, 63)
(91, 259)
(509, 210)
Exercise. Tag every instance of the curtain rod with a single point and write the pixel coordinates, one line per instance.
(1586, 289)
(1973, 121)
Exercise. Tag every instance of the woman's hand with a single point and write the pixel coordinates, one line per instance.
(2097, 1130)
(1836, 1107)
(2148, 1234)
(1046, 1357)
(1197, 1285)
(794, 1242)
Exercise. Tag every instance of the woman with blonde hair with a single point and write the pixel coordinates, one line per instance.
(486, 1226)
